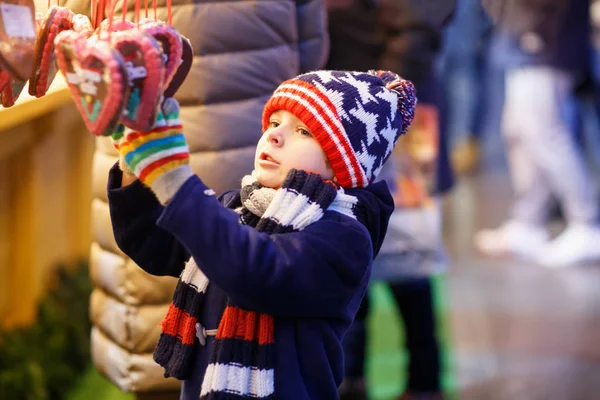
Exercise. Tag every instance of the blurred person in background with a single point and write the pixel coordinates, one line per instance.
(243, 50)
(544, 46)
(464, 75)
(588, 96)
(403, 37)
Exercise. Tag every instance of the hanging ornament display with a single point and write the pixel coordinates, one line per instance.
(145, 72)
(17, 37)
(97, 78)
(170, 43)
(11, 92)
(116, 70)
(187, 56)
(56, 20)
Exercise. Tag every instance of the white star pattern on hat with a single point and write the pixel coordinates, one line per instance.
(377, 170)
(362, 87)
(366, 159)
(391, 98)
(368, 119)
(389, 134)
(325, 76)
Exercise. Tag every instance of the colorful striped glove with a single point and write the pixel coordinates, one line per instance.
(158, 157)
(117, 138)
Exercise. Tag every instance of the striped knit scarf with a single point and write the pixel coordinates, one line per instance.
(242, 357)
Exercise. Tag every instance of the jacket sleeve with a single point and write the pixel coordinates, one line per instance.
(314, 273)
(133, 213)
(413, 31)
(313, 36)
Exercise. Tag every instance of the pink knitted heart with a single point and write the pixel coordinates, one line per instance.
(184, 68)
(170, 42)
(57, 19)
(96, 77)
(146, 71)
(82, 24)
(17, 37)
(118, 24)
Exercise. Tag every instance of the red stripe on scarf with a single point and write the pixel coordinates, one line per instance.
(180, 324)
(241, 324)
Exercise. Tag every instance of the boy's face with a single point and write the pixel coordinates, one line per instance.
(288, 144)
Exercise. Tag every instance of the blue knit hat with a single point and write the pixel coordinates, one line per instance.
(356, 117)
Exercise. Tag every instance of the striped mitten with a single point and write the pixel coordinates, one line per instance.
(160, 156)
(117, 138)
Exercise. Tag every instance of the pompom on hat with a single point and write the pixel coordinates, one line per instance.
(357, 117)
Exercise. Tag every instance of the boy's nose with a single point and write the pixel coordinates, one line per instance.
(275, 137)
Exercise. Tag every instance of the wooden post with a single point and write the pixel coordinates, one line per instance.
(21, 284)
(45, 197)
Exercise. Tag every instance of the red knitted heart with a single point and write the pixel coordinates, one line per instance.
(170, 42)
(11, 93)
(5, 79)
(96, 77)
(57, 19)
(146, 71)
(183, 70)
(17, 37)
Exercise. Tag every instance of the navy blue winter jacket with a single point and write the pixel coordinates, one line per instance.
(311, 281)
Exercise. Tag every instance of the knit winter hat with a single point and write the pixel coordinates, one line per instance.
(356, 117)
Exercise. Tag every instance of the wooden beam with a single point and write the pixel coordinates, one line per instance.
(28, 107)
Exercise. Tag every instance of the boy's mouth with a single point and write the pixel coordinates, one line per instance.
(265, 157)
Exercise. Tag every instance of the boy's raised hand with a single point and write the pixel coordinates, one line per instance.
(160, 156)
(117, 138)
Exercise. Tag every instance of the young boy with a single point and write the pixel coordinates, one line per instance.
(271, 275)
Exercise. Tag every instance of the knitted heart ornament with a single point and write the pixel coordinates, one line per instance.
(83, 25)
(117, 24)
(146, 71)
(170, 42)
(57, 19)
(11, 93)
(183, 70)
(5, 79)
(17, 37)
(96, 77)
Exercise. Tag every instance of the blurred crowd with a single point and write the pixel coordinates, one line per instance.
(526, 71)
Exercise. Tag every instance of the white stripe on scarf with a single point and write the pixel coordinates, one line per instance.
(194, 277)
(239, 380)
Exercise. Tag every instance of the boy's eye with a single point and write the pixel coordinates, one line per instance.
(273, 124)
(304, 132)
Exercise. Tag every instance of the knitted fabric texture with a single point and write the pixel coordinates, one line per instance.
(153, 153)
(117, 139)
(242, 357)
(356, 117)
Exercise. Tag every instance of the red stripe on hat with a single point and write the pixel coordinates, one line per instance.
(339, 165)
(178, 323)
(340, 134)
(246, 325)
